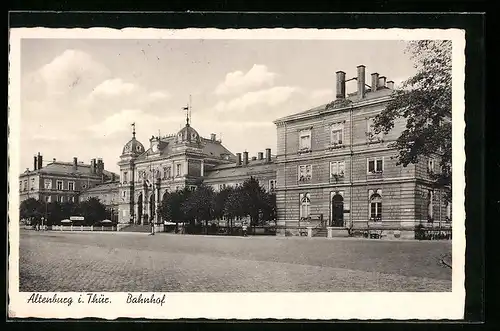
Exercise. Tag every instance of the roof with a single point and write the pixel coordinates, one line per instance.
(211, 148)
(232, 170)
(133, 146)
(67, 168)
(103, 187)
(340, 104)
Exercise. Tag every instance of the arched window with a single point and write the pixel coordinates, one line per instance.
(305, 205)
(375, 207)
(430, 206)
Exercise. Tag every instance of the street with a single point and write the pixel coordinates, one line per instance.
(137, 262)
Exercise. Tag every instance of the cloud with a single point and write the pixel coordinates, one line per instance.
(158, 95)
(322, 94)
(238, 81)
(270, 97)
(68, 71)
(146, 123)
(113, 87)
(118, 122)
(116, 93)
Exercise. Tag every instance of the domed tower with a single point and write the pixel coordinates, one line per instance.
(188, 136)
(131, 150)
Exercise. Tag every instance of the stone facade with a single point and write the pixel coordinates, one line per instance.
(61, 181)
(331, 163)
(107, 193)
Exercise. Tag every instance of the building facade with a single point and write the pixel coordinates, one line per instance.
(331, 165)
(174, 162)
(61, 181)
(107, 194)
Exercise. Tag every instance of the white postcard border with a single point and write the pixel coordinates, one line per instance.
(250, 305)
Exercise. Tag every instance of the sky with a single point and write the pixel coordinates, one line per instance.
(80, 96)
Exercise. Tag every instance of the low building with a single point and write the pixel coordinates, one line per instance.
(61, 181)
(107, 194)
(234, 174)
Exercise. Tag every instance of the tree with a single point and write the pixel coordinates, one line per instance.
(69, 209)
(235, 204)
(93, 211)
(253, 199)
(269, 207)
(31, 209)
(220, 199)
(424, 100)
(199, 205)
(53, 212)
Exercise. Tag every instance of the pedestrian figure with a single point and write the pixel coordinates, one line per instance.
(152, 228)
(244, 227)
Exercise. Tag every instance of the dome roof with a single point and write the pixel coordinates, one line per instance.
(133, 147)
(188, 134)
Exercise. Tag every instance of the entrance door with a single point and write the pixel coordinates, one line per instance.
(337, 210)
(139, 209)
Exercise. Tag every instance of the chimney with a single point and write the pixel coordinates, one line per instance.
(361, 81)
(99, 167)
(93, 166)
(340, 85)
(245, 158)
(238, 159)
(40, 161)
(212, 136)
(54, 160)
(374, 81)
(390, 84)
(261, 155)
(381, 81)
(268, 155)
(35, 162)
(113, 177)
(75, 164)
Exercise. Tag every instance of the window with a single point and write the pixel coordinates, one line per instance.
(167, 172)
(59, 185)
(448, 211)
(430, 206)
(375, 165)
(337, 169)
(125, 177)
(48, 184)
(370, 131)
(337, 134)
(48, 198)
(124, 193)
(32, 184)
(72, 199)
(305, 205)
(178, 170)
(60, 198)
(305, 140)
(25, 185)
(430, 166)
(375, 207)
(272, 185)
(305, 173)
(71, 186)
(20, 185)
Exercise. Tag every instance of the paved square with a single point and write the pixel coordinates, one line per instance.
(137, 262)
